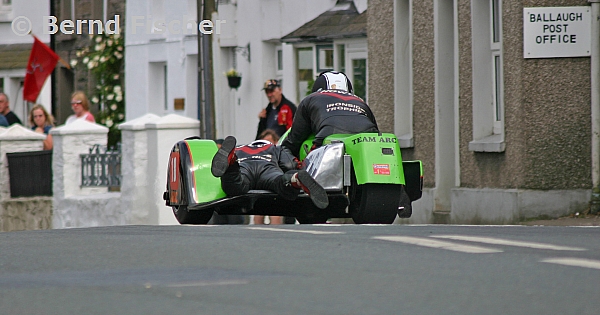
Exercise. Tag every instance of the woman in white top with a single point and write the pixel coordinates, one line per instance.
(81, 108)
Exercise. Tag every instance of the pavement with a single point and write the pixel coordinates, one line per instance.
(576, 219)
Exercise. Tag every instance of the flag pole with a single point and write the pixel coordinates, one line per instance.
(62, 61)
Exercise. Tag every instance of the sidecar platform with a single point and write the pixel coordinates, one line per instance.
(264, 202)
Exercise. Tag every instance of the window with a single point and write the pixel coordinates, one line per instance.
(304, 59)
(279, 60)
(157, 79)
(359, 77)
(6, 10)
(351, 58)
(341, 63)
(488, 88)
(324, 58)
(497, 72)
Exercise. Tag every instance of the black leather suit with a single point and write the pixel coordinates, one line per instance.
(260, 165)
(328, 112)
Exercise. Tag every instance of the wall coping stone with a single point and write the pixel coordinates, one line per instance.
(18, 132)
(79, 127)
(173, 121)
(139, 123)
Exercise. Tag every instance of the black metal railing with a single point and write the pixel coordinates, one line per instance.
(101, 167)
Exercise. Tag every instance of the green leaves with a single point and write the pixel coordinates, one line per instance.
(103, 58)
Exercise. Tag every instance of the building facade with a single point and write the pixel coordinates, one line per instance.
(161, 66)
(502, 136)
(68, 80)
(15, 47)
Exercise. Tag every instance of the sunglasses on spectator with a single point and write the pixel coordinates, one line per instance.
(75, 102)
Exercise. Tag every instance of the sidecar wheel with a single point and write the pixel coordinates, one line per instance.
(374, 203)
(184, 216)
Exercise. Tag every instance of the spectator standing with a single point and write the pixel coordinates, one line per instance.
(81, 108)
(279, 113)
(42, 122)
(11, 118)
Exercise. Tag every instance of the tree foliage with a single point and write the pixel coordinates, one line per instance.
(104, 60)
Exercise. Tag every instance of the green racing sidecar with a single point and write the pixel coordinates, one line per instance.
(364, 176)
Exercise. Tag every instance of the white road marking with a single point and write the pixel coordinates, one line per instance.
(206, 283)
(577, 262)
(498, 241)
(294, 231)
(427, 242)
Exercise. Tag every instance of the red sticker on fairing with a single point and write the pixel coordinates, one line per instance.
(174, 177)
(381, 169)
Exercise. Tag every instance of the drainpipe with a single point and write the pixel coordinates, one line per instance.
(595, 94)
(199, 7)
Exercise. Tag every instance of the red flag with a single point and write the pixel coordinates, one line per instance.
(41, 63)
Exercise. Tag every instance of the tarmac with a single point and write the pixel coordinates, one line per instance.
(576, 219)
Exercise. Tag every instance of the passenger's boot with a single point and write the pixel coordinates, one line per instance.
(318, 195)
(224, 158)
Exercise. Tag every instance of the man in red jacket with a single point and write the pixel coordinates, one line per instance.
(279, 113)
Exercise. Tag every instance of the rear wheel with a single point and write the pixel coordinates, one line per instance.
(405, 209)
(184, 216)
(374, 203)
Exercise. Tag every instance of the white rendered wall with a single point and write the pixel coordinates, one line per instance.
(177, 51)
(73, 205)
(134, 169)
(162, 136)
(33, 10)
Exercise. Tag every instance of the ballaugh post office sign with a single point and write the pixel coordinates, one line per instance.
(552, 32)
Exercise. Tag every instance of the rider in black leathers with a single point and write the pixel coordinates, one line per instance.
(263, 165)
(330, 109)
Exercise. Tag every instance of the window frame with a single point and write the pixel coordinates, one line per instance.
(6, 12)
(487, 76)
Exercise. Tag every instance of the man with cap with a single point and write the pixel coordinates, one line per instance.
(279, 113)
(330, 109)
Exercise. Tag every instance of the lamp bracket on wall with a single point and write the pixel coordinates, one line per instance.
(244, 51)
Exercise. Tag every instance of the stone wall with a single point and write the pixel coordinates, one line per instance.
(147, 142)
(25, 213)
